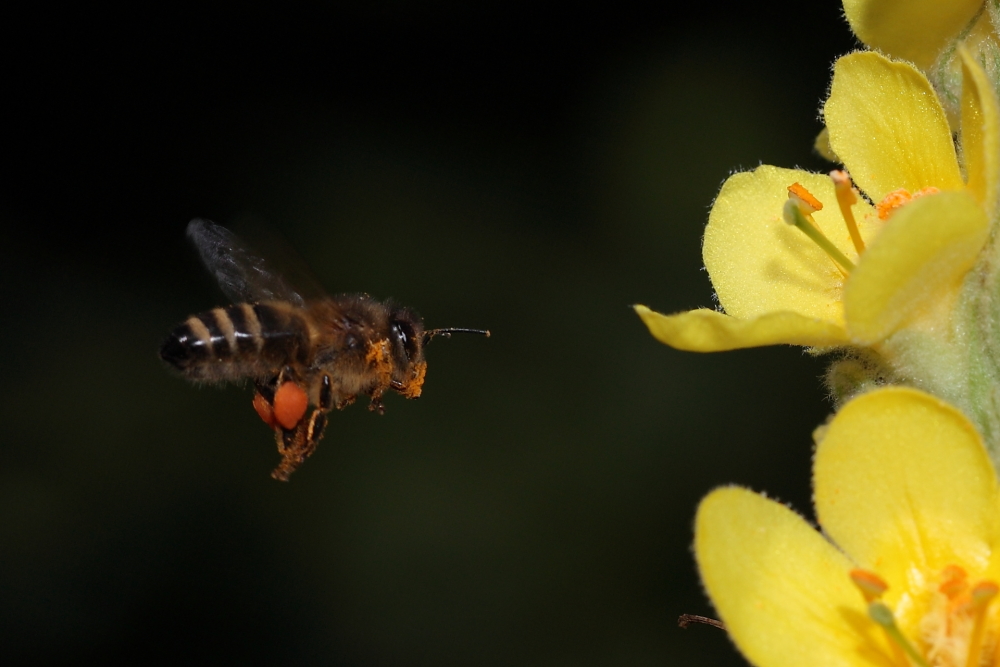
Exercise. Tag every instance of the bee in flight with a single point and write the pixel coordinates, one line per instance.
(305, 357)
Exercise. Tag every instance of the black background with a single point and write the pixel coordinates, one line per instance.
(533, 168)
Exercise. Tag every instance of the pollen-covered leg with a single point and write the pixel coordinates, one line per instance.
(314, 432)
(298, 441)
(297, 444)
(413, 386)
(376, 404)
(379, 362)
(290, 445)
(280, 403)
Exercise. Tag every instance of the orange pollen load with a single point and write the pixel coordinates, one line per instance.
(264, 410)
(898, 198)
(290, 403)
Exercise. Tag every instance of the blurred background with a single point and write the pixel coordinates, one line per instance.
(531, 168)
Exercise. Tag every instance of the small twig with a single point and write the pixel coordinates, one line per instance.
(685, 620)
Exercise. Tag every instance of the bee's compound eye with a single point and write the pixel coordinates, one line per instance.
(402, 331)
(290, 403)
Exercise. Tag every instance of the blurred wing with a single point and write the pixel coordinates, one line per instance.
(242, 275)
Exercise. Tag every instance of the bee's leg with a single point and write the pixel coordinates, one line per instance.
(376, 404)
(325, 394)
(313, 433)
(296, 444)
(379, 361)
(316, 423)
(412, 386)
(290, 445)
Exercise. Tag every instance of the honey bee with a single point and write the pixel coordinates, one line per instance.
(299, 353)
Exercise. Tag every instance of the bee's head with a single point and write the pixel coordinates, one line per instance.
(409, 337)
(406, 331)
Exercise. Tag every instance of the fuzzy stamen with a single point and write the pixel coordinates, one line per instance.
(982, 594)
(798, 212)
(847, 196)
(881, 614)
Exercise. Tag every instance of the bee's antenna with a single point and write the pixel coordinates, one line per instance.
(429, 335)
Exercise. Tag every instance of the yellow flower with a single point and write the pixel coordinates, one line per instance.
(928, 33)
(778, 286)
(915, 30)
(907, 493)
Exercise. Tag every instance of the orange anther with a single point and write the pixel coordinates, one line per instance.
(892, 201)
(898, 198)
(953, 581)
(290, 403)
(805, 199)
(870, 584)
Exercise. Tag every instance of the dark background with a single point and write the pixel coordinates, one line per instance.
(533, 168)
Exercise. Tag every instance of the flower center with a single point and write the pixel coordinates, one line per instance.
(953, 626)
(802, 204)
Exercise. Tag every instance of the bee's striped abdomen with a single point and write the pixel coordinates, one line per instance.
(239, 341)
(283, 334)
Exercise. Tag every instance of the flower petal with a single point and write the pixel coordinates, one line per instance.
(782, 590)
(924, 251)
(888, 127)
(758, 263)
(914, 30)
(705, 330)
(980, 132)
(902, 480)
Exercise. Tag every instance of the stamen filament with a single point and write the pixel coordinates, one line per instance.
(982, 594)
(882, 615)
(847, 197)
(793, 216)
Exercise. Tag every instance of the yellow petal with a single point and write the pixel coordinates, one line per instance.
(902, 480)
(980, 132)
(781, 589)
(706, 330)
(914, 30)
(758, 263)
(823, 147)
(887, 126)
(921, 255)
